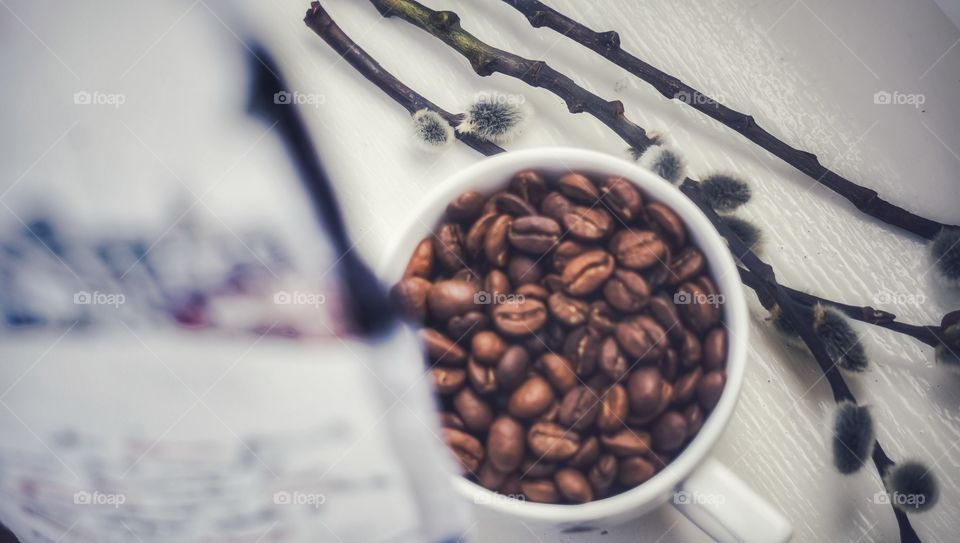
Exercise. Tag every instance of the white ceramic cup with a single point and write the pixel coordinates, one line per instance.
(704, 490)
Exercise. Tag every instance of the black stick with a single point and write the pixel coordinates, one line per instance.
(487, 60)
(771, 295)
(607, 45)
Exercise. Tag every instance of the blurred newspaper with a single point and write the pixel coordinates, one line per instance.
(176, 365)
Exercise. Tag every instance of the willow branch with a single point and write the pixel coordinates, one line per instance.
(771, 294)
(320, 22)
(487, 60)
(607, 45)
(928, 334)
(766, 286)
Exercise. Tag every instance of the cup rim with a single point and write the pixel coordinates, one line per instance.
(493, 173)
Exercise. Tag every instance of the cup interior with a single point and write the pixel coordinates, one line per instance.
(492, 174)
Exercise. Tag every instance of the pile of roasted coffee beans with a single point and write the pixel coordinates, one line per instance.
(575, 337)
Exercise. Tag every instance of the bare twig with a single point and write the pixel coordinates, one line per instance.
(487, 60)
(607, 44)
(766, 286)
(771, 294)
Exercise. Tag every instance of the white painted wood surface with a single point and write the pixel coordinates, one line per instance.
(806, 69)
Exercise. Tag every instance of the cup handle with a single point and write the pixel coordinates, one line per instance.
(721, 505)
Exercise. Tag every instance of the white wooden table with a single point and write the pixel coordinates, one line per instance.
(806, 69)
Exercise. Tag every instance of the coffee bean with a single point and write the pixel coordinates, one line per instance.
(532, 398)
(511, 204)
(626, 442)
(447, 381)
(685, 388)
(710, 388)
(512, 367)
(511, 486)
(587, 272)
(535, 468)
(482, 378)
(448, 247)
(613, 409)
(559, 371)
(442, 349)
(421, 262)
(663, 310)
(453, 297)
(451, 420)
(638, 249)
(587, 454)
(645, 389)
(555, 206)
(669, 431)
(690, 351)
(466, 448)
(411, 295)
(533, 291)
(573, 486)
(642, 338)
(490, 477)
(529, 185)
(715, 349)
(497, 285)
(565, 251)
(473, 242)
(519, 316)
(577, 187)
(693, 414)
(462, 327)
(635, 470)
(698, 308)
(568, 310)
(523, 269)
(588, 223)
(612, 362)
(582, 348)
(506, 443)
(475, 412)
(552, 442)
(622, 198)
(603, 318)
(667, 223)
(534, 235)
(466, 207)
(579, 408)
(685, 266)
(487, 347)
(540, 490)
(670, 365)
(626, 291)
